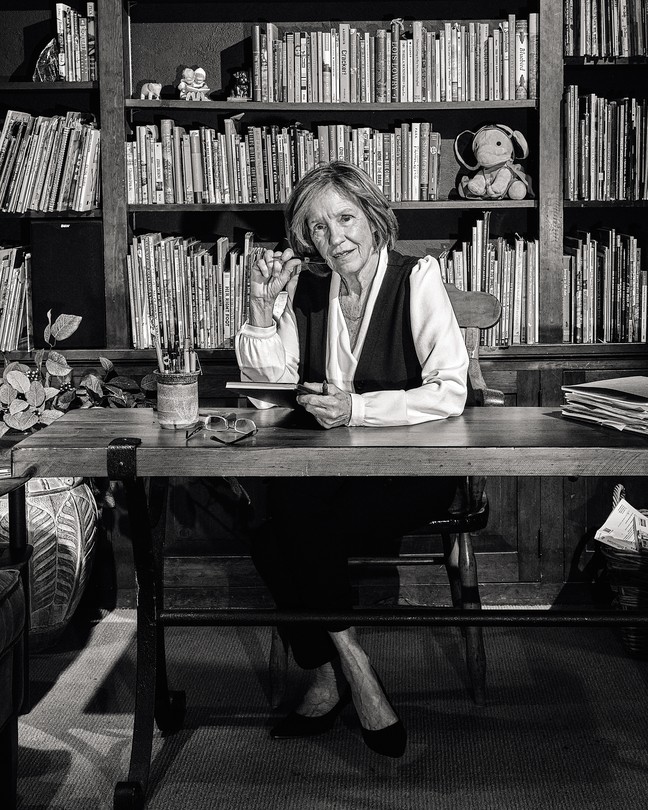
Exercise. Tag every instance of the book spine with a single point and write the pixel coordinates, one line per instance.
(166, 134)
(345, 75)
(396, 26)
(533, 55)
(91, 14)
(521, 59)
(256, 62)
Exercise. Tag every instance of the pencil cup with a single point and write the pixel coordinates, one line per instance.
(177, 399)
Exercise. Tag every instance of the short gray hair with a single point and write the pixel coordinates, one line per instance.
(349, 181)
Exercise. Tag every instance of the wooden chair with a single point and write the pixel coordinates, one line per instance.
(469, 513)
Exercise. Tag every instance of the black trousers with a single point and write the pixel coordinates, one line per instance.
(316, 524)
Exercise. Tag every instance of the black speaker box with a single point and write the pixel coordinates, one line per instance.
(68, 277)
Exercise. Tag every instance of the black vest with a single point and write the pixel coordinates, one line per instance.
(388, 360)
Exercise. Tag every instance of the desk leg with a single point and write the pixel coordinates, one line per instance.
(152, 697)
(20, 552)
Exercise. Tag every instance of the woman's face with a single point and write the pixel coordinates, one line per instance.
(341, 232)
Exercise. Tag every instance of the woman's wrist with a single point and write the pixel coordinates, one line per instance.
(260, 313)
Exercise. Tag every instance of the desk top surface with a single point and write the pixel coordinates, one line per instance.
(484, 441)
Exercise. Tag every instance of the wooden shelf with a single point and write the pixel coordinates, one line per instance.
(29, 87)
(605, 61)
(605, 203)
(535, 352)
(258, 106)
(397, 206)
(96, 214)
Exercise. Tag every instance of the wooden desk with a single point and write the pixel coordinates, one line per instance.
(484, 441)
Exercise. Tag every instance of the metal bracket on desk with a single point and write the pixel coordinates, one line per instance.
(122, 461)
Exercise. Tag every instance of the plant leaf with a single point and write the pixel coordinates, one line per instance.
(36, 394)
(19, 380)
(149, 383)
(7, 393)
(106, 363)
(92, 383)
(116, 392)
(18, 405)
(38, 357)
(3, 428)
(50, 392)
(15, 366)
(125, 383)
(65, 325)
(57, 365)
(66, 399)
(21, 421)
(50, 415)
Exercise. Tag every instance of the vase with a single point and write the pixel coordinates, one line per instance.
(61, 524)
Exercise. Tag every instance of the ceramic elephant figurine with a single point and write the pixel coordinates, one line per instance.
(151, 90)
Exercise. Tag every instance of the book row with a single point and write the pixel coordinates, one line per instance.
(49, 163)
(185, 294)
(77, 39)
(507, 271)
(604, 289)
(606, 28)
(405, 62)
(261, 165)
(606, 147)
(15, 299)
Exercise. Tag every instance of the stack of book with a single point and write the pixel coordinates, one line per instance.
(185, 292)
(507, 271)
(423, 62)
(606, 150)
(618, 403)
(261, 165)
(77, 40)
(605, 289)
(49, 163)
(607, 28)
(15, 299)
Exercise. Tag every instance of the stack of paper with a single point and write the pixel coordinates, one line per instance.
(626, 528)
(620, 403)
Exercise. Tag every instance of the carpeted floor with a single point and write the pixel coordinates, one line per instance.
(566, 726)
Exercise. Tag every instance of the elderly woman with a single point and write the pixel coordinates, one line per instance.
(373, 336)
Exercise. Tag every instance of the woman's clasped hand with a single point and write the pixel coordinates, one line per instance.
(332, 409)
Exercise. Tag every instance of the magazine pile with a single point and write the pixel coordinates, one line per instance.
(620, 403)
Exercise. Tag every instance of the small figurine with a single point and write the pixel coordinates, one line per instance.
(151, 90)
(186, 82)
(193, 86)
(240, 86)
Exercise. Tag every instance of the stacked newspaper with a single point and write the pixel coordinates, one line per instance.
(626, 528)
(620, 403)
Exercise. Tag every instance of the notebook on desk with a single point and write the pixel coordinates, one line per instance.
(284, 395)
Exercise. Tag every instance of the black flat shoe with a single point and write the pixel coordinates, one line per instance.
(298, 725)
(390, 741)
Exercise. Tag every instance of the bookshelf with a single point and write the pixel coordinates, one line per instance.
(151, 40)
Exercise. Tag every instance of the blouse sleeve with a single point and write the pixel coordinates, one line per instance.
(270, 353)
(441, 351)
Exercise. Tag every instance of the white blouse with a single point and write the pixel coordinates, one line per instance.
(271, 353)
